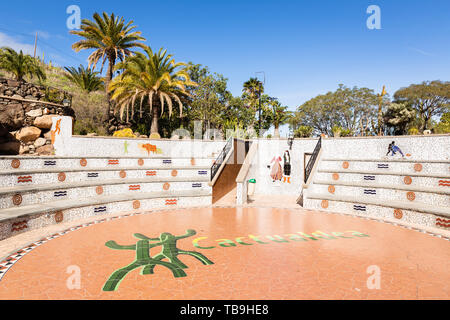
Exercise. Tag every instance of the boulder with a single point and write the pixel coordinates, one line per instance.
(40, 142)
(46, 150)
(10, 148)
(48, 135)
(24, 149)
(34, 113)
(44, 122)
(11, 116)
(28, 134)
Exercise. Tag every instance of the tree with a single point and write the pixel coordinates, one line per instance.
(397, 118)
(353, 109)
(111, 38)
(84, 78)
(209, 98)
(20, 64)
(154, 77)
(303, 132)
(280, 116)
(428, 99)
(252, 92)
(444, 125)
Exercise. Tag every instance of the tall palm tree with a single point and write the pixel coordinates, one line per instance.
(20, 64)
(85, 78)
(154, 77)
(253, 90)
(111, 38)
(280, 116)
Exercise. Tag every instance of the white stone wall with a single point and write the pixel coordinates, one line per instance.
(433, 147)
(68, 145)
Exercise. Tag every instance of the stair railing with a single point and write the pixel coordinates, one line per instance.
(221, 158)
(312, 160)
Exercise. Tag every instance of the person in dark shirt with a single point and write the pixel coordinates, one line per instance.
(393, 148)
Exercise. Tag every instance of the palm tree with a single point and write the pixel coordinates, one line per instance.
(85, 78)
(20, 64)
(112, 40)
(280, 116)
(253, 89)
(154, 77)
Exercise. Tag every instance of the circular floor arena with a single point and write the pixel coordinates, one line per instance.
(231, 253)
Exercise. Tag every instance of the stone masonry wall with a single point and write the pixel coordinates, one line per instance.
(25, 126)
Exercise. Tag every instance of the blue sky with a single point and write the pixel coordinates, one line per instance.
(304, 47)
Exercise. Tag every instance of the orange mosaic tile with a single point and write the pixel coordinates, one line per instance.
(231, 253)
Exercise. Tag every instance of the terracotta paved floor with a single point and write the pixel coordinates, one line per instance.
(412, 265)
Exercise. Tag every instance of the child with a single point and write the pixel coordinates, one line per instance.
(393, 148)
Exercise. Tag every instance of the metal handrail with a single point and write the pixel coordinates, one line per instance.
(221, 158)
(312, 160)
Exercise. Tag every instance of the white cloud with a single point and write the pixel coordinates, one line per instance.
(14, 43)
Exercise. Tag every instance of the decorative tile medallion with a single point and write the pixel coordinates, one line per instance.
(174, 173)
(331, 189)
(141, 162)
(113, 162)
(418, 167)
(100, 209)
(166, 186)
(99, 190)
(359, 208)
(61, 177)
(324, 204)
(123, 174)
(369, 178)
(49, 163)
(150, 173)
(398, 214)
(335, 176)
(136, 204)
(407, 180)
(411, 196)
(345, 165)
(15, 163)
(370, 191)
(134, 187)
(83, 162)
(383, 166)
(193, 161)
(59, 216)
(92, 175)
(17, 199)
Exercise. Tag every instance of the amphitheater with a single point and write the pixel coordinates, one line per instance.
(328, 218)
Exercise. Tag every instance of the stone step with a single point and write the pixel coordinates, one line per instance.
(410, 168)
(386, 193)
(365, 200)
(417, 180)
(30, 163)
(20, 196)
(76, 175)
(388, 159)
(15, 222)
(98, 200)
(394, 212)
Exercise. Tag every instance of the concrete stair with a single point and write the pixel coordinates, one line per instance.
(394, 190)
(38, 191)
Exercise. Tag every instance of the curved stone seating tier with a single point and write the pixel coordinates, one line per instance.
(392, 178)
(14, 179)
(17, 220)
(37, 191)
(396, 190)
(28, 163)
(387, 166)
(430, 196)
(23, 196)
